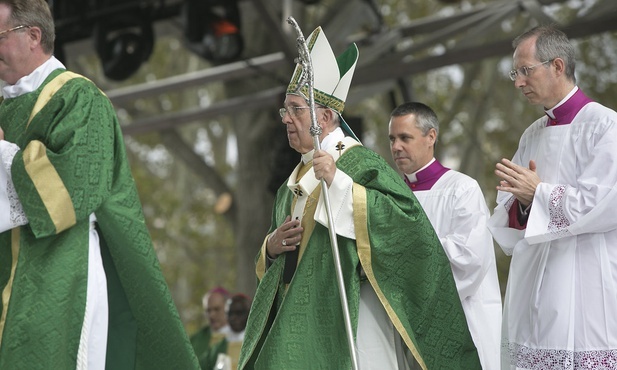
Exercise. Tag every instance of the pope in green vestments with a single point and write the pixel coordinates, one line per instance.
(72, 164)
(300, 325)
(385, 241)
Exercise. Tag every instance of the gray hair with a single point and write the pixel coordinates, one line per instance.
(34, 13)
(551, 43)
(426, 119)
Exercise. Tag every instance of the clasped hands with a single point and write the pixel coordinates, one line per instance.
(518, 180)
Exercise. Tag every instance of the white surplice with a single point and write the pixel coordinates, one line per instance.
(560, 309)
(457, 210)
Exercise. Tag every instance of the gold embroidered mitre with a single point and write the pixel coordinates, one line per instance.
(331, 75)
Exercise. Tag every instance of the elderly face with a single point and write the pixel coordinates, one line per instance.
(411, 150)
(541, 85)
(298, 123)
(215, 310)
(15, 48)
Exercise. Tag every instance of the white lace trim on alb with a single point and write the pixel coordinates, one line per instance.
(554, 359)
(558, 223)
(17, 216)
(509, 203)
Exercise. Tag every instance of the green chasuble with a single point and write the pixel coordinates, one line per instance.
(201, 343)
(207, 346)
(301, 325)
(72, 163)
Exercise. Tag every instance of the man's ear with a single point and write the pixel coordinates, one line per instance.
(560, 65)
(34, 32)
(326, 114)
(432, 135)
(35, 35)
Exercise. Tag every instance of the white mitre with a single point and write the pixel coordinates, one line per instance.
(331, 75)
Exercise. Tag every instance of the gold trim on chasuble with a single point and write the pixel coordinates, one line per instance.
(364, 253)
(49, 185)
(42, 173)
(308, 212)
(260, 266)
(308, 223)
(49, 90)
(297, 184)
(8, 289)
(233, 351)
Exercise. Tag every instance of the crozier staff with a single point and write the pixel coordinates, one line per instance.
(397, 277)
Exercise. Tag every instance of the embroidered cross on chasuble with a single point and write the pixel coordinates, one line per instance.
(307, 189)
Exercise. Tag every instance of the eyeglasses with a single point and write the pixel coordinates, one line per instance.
(292, 110)
(525, 71)
(13, 29)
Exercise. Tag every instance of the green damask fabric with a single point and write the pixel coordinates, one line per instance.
(209, 362)
(207, 348)
(200, 341)
(302, 327)
(82, 142)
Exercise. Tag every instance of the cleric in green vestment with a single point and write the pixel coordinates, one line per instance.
(209, 336)
(81, 284)
(403, 303)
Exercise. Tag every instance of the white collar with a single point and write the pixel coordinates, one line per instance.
(550, 113)
(412, 176)
(232, 336)
(308, 182)
(329, 141)
(225, 330)
(32, 81)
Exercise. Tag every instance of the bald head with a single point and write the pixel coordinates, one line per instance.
(214, 306)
